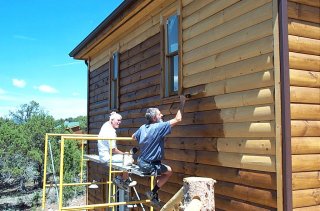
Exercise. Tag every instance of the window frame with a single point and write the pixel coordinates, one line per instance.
(167, 91)
(114, 81)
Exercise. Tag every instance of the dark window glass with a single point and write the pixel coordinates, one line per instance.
(172, 56)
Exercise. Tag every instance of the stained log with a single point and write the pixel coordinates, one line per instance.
(258, 196)
(140, 57)
(241, 83)
(142, 84)
(308, 2)
(194, 6)
(244, 67)
(304, 95)
(140, 47)
(303, 12)
(305, 180)
(218, 41)
(305, 145)
(305, 111)
(245, 129)
(239, 53)
(140, 94)
(304, 45)
(265, 180)
(305, 128)
(205, 12)
(246, 146)
(240, 114)
(152, 61)
(235, 160)
(309, 162)
(232, 204)
(211, 42)
(153, 101)
(225, 16)
(143, 74)
(303, 29)
(304, 61)
(310, 208)
(304, 78)
(304, 198)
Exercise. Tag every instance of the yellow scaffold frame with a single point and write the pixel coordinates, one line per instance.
(82, 138)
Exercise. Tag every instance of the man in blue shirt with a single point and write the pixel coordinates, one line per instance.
(150, 137)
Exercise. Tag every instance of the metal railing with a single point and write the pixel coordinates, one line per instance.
(111, 187)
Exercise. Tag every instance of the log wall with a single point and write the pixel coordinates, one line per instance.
(229, 131)
(304, 64)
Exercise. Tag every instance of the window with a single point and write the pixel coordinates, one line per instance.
(171, 56)
(114, 82)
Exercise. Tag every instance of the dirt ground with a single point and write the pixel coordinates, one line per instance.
(81, 200)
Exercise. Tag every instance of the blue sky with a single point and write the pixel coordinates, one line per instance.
(35, 40)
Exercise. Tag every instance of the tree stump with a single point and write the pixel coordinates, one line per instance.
(198, 188)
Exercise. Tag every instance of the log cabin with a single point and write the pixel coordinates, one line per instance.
(252, 68)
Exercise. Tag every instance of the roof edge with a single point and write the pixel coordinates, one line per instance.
(112, 17)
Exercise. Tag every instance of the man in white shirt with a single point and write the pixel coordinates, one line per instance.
(108, 130)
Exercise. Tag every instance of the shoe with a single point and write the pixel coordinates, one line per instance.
(124, 185)
(130, 183)
(154, 199)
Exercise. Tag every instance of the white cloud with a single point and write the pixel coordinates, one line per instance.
(46, 89)
(18, 83)
(75, 94)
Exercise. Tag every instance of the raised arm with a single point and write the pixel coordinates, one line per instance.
(178, 117)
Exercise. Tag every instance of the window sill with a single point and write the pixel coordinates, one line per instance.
(171, 99)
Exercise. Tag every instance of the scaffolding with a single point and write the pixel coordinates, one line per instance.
(111, 187)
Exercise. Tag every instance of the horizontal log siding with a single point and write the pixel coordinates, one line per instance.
(229, 128)
(228, 132)
(304, 62)
(98, 94)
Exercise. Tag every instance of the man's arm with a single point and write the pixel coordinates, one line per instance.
(117, 151)
(178, 117)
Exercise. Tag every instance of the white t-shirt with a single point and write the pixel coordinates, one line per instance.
(103, 145)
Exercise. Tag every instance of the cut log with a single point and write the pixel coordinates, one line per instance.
(174, 202)
(200, 188)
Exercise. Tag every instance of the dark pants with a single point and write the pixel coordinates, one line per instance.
(152, 167)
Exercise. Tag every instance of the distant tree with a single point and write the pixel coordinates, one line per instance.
(25, 112)
(35, 128)
(22, 140)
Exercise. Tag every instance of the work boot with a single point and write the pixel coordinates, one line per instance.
(154, 199)
(124, 185)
